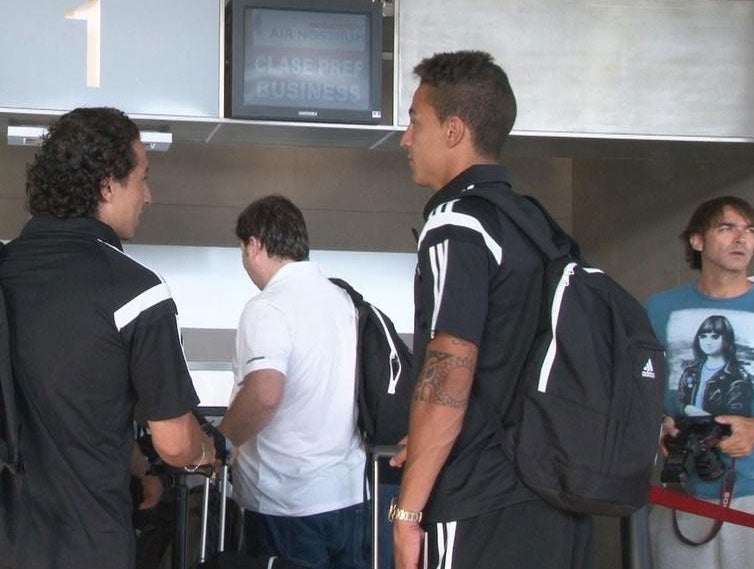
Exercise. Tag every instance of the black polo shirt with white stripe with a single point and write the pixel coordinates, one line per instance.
(480, 280)
(94, 345)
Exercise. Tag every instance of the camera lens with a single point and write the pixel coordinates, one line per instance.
(708, 465)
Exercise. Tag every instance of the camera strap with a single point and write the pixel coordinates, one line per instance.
(673, 499)
(726, 495)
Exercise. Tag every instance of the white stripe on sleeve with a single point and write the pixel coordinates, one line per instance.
(147, 299)
(438, 260)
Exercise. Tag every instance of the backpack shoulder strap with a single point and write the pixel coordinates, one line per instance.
(531, 218)
(356, 297)
(361, 313)
(536, 224)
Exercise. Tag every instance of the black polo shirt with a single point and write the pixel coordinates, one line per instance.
(94, 345)
(478, 279)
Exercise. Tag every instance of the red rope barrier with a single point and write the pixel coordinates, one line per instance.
(685, 503)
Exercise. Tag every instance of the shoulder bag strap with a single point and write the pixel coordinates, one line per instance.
(530, 217)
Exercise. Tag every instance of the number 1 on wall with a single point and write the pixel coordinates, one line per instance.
(89, 12)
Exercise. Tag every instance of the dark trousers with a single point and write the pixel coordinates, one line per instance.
(330, 540)
(528, 535)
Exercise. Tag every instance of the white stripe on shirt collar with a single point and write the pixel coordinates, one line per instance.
(444, 215)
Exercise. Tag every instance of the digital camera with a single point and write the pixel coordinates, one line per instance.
(695, 447)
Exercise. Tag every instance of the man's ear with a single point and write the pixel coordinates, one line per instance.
(455, 129)
(105, 189)
(696, 241)
(248, 247)
(254, 245)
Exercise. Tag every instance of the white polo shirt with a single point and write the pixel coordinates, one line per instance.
(309, 458)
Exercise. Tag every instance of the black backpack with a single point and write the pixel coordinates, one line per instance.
(384, 377)
(583, 427)
(11, 465)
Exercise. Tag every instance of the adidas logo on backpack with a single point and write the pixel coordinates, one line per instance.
(649, 370)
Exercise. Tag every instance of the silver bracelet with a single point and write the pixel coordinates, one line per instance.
(194, 467)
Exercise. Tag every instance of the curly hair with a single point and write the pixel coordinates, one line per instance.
(706, 215)
(278, 224)
(82, 148)
(468, 84)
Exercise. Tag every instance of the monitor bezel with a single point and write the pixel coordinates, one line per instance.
(241, 110)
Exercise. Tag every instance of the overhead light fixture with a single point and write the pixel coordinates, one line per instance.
(25, 135)
(32, 136)
(154, 140)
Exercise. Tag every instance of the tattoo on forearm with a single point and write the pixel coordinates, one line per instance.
(433, 382)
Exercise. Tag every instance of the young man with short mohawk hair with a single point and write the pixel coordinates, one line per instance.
(477, 295)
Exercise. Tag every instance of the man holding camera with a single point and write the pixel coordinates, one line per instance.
(708, 330)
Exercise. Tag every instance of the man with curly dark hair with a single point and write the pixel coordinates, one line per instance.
(83, 148)
(478, 295)
(94, 346)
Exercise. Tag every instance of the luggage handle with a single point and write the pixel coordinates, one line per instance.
(378, 452)
(223, 482)
(222, 450)
(179, 550)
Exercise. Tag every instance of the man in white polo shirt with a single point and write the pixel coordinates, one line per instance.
(300, 464)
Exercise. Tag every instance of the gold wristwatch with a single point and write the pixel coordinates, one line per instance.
(397, 513)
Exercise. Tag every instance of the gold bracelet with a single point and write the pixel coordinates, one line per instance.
(398, 513)
(194, 467)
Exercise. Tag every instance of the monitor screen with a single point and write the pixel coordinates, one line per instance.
(320, 61)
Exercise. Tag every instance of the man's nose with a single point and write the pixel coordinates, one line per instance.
(406, 138)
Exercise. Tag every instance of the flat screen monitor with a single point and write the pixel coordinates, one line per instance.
(315, 60)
